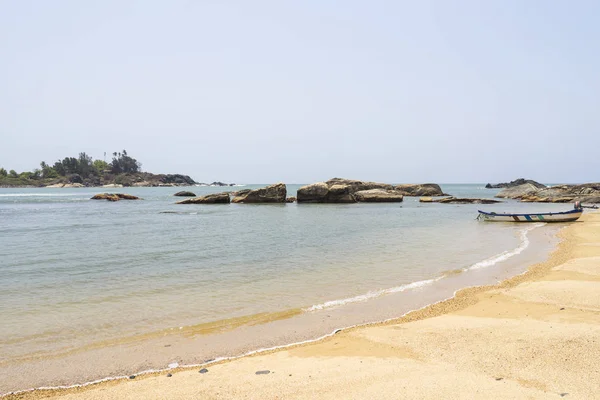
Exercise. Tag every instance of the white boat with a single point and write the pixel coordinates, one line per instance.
(565, 216)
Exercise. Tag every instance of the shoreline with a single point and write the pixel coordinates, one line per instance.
(461, 298)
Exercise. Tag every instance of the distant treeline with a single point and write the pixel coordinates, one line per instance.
(83, 166)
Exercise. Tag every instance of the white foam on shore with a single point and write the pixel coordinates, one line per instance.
(505, 255)
(488, 262)
(371, 295)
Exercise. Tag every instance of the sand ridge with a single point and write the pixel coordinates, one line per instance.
(536, 335)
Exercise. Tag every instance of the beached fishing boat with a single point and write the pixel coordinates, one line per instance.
(565, 216)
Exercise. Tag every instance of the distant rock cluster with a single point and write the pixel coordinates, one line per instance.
(585, 193)
(516, 182)
(335, 190)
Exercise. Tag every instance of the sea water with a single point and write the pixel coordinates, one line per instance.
(77, 274)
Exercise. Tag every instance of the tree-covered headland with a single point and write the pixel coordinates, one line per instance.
(123, 169)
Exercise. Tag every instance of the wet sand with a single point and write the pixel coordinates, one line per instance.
(536, 335)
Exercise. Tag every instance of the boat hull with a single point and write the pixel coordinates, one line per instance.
(567, 216)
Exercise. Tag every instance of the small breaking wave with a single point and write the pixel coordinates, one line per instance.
(488, 262)
(372, 295)
(505, 255)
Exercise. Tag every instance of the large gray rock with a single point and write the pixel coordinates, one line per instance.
(270, 194)
(516, 182)
(425, 189)
(337, 190)
(214, 198)
(379, 196)
(517, 192)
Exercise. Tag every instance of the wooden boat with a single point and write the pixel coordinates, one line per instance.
(565, 216)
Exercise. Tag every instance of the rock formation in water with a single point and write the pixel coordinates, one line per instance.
(585, 193)
(516, 182)
(114, 197)
(338, 190)
(379, 196)
(213, 198)
(270, 194)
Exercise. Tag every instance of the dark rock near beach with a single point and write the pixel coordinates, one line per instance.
(270, 194)
(425, 189)
(203, 371)
(264, 372)
(169, 375)
(214, 198)
(185, 194)
(516, 182)
(131, 376)
(114, 197)
(290, 200)
(456, 200)
(379, 196)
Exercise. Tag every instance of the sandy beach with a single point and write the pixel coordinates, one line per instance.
(533, 336)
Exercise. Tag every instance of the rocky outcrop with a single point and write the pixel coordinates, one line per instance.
(379, 196)
(338, 190)
(516, 192)
(112, 185)
(290, 200)
(516, 182)
(185, 193)
(425, 189)
(270, 194)
(457, 200)
(585, 193)
(114, 197)
(214, 198)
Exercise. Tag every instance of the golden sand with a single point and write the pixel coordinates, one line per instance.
(534, 336)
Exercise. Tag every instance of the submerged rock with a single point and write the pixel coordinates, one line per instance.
(214, 198)
(114, 197)
(185, 194)
(516, 182)
(379, 196)
(270, 194)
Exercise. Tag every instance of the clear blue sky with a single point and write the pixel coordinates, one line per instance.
(301, 91)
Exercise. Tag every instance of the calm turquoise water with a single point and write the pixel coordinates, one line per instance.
(74, 271)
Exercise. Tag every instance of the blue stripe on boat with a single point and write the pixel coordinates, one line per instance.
(528, 218)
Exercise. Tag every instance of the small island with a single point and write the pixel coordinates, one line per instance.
(84, 171)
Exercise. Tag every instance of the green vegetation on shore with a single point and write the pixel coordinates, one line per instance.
(84, 170)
